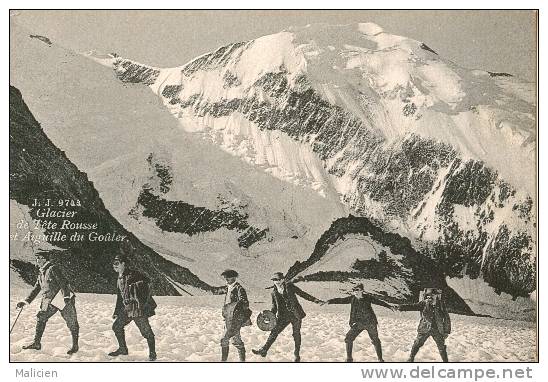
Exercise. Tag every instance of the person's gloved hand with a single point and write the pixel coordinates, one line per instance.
(21, 304)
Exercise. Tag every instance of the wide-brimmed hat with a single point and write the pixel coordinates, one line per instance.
(277, 276)
(229, 273)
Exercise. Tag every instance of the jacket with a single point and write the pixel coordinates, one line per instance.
(360, 308)
(288, 302)
(50, 281)
(431, 317)
(134, 297)
(236, 310)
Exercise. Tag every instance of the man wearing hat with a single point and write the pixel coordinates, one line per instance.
(288, 310)
(435, 322)
(133, 303)
(50, 281)
(362, 317)
(236, 314)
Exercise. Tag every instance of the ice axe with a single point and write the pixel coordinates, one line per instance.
(16, 318)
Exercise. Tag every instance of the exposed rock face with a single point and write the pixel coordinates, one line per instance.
(131, 72)
(182, 217)
(396, 263)
(44, 39)
(40, 171)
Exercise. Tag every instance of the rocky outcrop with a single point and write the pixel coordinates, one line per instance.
(41, 172)
(182, 217)
(397, 261)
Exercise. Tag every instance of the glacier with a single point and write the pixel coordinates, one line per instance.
(442, 154)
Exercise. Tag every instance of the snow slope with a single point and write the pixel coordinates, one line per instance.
(189, 329)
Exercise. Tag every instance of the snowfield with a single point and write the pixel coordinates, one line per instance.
(189, 329)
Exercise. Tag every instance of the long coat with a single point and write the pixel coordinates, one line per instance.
(50, 281)
(236, 310)
(431, 315)
(134, 296)
(360, 308)
(288, 302)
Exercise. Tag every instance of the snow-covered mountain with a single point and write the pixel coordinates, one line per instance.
(441, 153)
(275, 140)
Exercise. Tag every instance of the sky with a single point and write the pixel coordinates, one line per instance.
(499, 41)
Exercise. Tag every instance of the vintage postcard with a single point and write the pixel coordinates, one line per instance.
(273, 186)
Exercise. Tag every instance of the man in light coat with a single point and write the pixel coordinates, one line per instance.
(50, 282)
(236, 314)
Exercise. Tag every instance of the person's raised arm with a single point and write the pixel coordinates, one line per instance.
(376, 301)
(305, 295)
(340, 300)
(411, 307)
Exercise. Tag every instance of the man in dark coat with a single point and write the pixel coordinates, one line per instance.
(362, 317)
(288, 310)
(236, 314)
(50, 282)
(134, 303)
(435, 322)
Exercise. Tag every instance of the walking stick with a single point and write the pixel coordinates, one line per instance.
(16, 318)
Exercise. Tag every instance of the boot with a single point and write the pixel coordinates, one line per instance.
(349, 346)
(269, 341)
(118, 352)
(151, 341)
(297, 351)
(262, 351)
(224, 353)
(378, 350)
(443, 353)
(74, 347)
(414, 351)
(122, 346)
(33, 346)
(241, 354)
(37, 343)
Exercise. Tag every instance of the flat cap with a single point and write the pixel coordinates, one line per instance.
(229, 273)
(121, 257)
(278, 276)
(45, 254)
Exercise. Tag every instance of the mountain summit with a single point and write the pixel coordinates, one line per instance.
(336, 153)
(382, 123)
